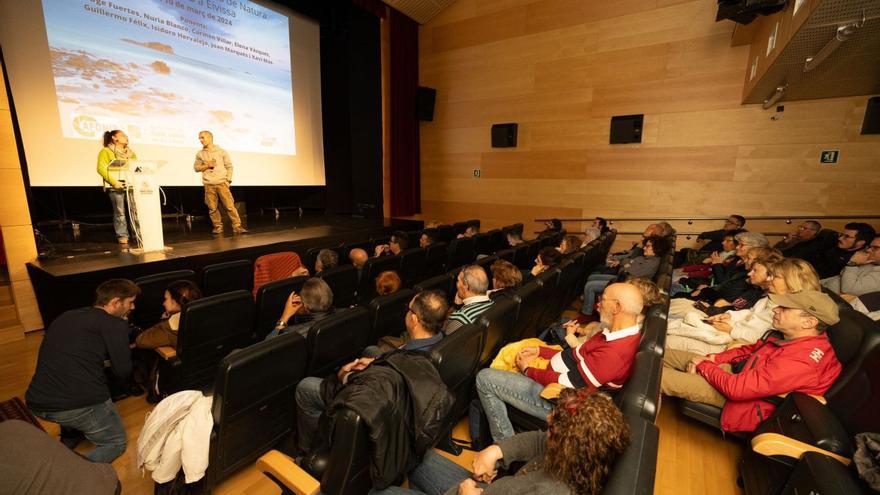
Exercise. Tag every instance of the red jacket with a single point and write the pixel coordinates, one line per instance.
(773, 367)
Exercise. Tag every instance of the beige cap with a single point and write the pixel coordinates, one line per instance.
(812, 301)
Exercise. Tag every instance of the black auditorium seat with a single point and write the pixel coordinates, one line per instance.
(633, 472)
(522, 256)
(253, 398)
(271, 299)
(444, 283)
(640, 394)
(343, 281)
(459, 227)
(499, 322)
(372, 268)
(457, 357)
(483, 244)
(497, 240)
(435, 260)
(413, 266)
(387, 314)
(445, 233)
(210, 328)
(530, 307)
(486, 263)
(461, 252)
(226, 277)
(337, 339)
(148, 307)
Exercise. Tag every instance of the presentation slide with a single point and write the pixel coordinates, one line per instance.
(161, 71)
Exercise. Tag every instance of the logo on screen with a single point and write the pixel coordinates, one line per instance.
(85, 125)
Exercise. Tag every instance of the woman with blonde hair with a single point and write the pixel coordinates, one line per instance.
(697, 333)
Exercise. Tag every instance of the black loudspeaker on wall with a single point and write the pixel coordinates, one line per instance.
(626, 129)
(871, 124)
(425, 98)
(504, 135)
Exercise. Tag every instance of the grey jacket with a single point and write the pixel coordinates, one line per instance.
(855, 280)
(526, 447)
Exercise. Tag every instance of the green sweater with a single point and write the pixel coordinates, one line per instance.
(107, 155)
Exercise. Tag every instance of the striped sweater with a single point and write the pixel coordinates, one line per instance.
(471, 310)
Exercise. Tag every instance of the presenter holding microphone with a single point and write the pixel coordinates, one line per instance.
(111, 161)
(216, 168)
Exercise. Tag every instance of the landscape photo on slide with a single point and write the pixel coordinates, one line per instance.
(162, 70)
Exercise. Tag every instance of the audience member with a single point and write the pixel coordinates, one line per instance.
(514, 238)
(505, 278)
(569, 244)
(548, 257)
(601, 224)
(33, 463)
(471, 230)
(301, 311)
(713, 239)
(730, 275)
(471, 286)
(603, 361)
(585, 434)
(387, 282)
(327, 260)
(69, 386)
(358, 259)
(424, 320)
(803, 243)
(552, 225)
(645, 264)
(701, 334)
(395, 246)
(426, 239)
(177, 295)
(738, 380)
(861, 275)
(832, 259)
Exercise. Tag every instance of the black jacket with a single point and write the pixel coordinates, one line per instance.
(404, 404)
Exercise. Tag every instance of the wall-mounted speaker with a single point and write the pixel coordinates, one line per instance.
(626, 129)
(504, 135)
(425, 98)
(871, 124)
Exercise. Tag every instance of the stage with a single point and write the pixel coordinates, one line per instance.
(67, 277)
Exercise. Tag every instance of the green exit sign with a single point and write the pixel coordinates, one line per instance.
(829, 156)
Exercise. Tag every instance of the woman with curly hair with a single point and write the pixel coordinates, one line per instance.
(586, 434)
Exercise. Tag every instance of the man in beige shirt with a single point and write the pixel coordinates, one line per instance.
(216, 168)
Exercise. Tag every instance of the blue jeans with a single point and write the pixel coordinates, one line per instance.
(497, 388)
(434, 476)
(310, 405)
(100, 424)
(117, 199)
(596, 283)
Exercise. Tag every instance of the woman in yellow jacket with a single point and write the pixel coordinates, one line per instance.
(115, 148)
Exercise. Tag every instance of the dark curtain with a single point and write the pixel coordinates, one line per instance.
(405, 176)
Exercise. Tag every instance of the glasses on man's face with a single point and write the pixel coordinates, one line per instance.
(872, 248)
(804, 227)
(846, 236)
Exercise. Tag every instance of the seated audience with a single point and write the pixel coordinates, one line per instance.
(395, 246)
(548, 257)
(589, 235)
(552, 225)
(506, 277)
(327, 260)
(358, 259)
(424, 320)
(471, 287)
(387, 282)
(861, 274)
(471, 230)
(426, 239)
(644, 264)
(569, 244)
(712, 240)
(585, 434)
(604, 361)
(804, 243)
(730, 275)
(601, 224)
(514, 238)
(301, 311)
(69, 386)
(177, 295)
(33, 463)
(738, 380)
(705, 334)
(832, 259)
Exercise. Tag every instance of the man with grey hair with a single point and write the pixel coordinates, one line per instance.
(327, 259)
(730, 274)
(805, 242)
(216, 168)
(313, 303)
(471, 287)
(605, 361)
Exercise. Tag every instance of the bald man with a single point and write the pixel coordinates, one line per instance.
(603, 362)
(358, 258)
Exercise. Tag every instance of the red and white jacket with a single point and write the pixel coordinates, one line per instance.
(773, 366)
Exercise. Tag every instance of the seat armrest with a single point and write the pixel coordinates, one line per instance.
(166, 352)
(281, 469)
(848, 297)
(774, 444)
(818, 398)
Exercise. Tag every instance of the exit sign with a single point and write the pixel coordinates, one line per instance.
(829, 156)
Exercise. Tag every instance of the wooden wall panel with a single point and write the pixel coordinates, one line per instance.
(562, 68)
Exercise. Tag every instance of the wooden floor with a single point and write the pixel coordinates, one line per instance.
(692, 459)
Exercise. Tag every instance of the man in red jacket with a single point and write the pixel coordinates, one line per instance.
(741, 379)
